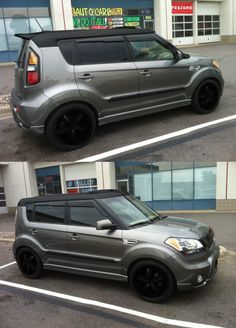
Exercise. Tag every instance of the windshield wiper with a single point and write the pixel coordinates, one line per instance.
(140, 223)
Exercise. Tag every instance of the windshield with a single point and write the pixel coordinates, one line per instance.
(130, 210)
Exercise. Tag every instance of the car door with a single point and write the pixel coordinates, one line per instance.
(106, 75)
(91, 249)
(162, 79)
(47, 229)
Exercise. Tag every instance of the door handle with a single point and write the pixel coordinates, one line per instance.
(75, 236)
(33, 231)
(146, 73)
(86, 76)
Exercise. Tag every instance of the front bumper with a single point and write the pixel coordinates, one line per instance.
(201, 273)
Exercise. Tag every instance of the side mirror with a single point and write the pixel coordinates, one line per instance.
(179, 55)
(105, 225)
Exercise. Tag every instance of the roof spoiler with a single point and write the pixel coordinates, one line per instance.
(29, 36)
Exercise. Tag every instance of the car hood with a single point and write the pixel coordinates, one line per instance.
(202, 60)
(173, 227)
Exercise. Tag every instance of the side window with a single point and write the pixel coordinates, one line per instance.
(67, 50)
(29, 211)
(101, 53)
(84, 216)
(49, 214)
(145, 50)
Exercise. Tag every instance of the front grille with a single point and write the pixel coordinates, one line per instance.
(208, 240)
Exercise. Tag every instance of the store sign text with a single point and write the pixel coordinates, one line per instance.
(81, 12)
(180, 7)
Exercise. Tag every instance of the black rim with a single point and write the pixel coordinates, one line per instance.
(28, 263)
(208, 96)
(150, 281)
(73, 128)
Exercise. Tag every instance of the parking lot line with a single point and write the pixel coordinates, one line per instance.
(7, 265)
(155, 140)
(124, 310)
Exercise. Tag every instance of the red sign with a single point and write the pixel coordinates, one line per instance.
(182, 7)
(73, 191)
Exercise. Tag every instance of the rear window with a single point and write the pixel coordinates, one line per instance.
(67, 50)
(46, 213)
(22, 53)
(89, 53)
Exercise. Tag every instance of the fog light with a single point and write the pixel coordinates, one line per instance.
(199, 278)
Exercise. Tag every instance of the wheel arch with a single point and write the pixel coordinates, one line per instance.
(72, 102)
(131, 265)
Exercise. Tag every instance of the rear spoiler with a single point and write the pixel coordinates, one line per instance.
(28, 36)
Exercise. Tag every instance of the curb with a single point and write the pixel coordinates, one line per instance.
(4, 104)
(7, 237)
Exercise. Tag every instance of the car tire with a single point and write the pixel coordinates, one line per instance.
(206, 97)
(152, 281)
(71, 127)
(29, 263)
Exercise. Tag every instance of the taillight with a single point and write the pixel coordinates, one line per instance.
(33, 68)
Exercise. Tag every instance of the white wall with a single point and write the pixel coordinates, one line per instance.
(226, 180)
(80, 171)
(106, 175)
(19, 182)
(61, 14)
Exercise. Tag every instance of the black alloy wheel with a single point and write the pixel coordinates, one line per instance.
(152, 281)
(206, 97)
(70, 128)
(29, 263)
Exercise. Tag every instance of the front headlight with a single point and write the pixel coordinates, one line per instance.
(216, 63)
(185, 245)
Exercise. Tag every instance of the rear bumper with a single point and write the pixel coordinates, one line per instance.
(202, 274)
(23, 115)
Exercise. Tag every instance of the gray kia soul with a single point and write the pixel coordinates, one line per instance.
(69, 82)
(112, 235)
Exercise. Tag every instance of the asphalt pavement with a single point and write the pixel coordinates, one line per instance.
(211, 143)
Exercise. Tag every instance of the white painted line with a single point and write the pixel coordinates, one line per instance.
(7, 265)
(156, 139)
(109, 306)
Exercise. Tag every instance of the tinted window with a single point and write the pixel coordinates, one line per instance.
(101, 52)
(29, 211)
(49, 214)
(85, 216)
(67, 50)
(145, 50)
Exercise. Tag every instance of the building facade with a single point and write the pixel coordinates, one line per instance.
(182, 22)
(162, 185)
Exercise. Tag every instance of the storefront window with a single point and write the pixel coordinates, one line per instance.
(143, 182)
(94, 14)
(13, 26)
(45, 23)
(162, 182)
(3, 40)
(48, 180)
(205, 182)
(170, 185)
(20, 20)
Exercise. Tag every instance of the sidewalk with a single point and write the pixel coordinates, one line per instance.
(7, 228)
(6, 84)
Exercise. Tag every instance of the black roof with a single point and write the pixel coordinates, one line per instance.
(51, 38)
(67, 197)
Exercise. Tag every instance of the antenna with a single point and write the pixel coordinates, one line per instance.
(39, 24)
